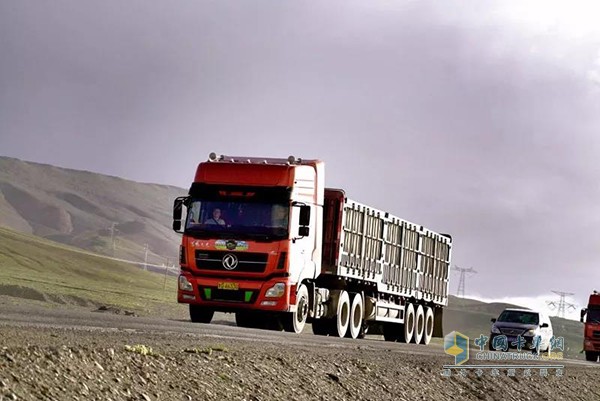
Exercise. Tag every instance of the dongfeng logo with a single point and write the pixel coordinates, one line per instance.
(230, 261)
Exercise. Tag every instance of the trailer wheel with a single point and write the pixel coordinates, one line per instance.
(356, 317)
(419, 325)
(200, 314)
(429, 323)
(294, 322)
(342, 317)
(591, 356)
(409, 324)
(428, 331)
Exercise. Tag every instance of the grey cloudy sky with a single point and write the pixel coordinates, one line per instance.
(480, 119)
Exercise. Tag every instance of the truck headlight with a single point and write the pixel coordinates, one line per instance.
(531, 332)
(276, 291)
(184, 284)
(495, 330)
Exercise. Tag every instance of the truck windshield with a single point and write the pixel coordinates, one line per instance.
(261, 221)
(510, 316)
(593, 316)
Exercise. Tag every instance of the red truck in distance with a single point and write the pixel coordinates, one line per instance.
(264, 239)
(590, 316)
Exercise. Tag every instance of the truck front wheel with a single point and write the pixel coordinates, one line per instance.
(295, 321)
(591, 356)
(200, 314)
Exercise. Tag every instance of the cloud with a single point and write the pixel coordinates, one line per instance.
(470, 119)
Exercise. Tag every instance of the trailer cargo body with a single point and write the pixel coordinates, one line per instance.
(290, 251)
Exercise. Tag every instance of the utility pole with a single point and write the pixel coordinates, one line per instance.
(113, 232)
(562, 303)
(145, 256)
(461, 281)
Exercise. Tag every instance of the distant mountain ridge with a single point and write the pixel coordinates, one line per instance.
(101, 213)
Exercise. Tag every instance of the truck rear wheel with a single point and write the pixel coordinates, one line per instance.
(409, 323)
(356, 317)
(428, 332)
(342, 317)
(591, 356)
(419, 325)
(295, 321)
(200, 314)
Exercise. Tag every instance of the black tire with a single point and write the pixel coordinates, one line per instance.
(408, 327)
(342, 316)
(294, 322)
(591, 356)
(356, 322)
(200, 314)
(429, 323)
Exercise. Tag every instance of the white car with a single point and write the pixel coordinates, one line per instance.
(526, 323)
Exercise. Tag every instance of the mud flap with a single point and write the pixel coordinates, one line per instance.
(438, 316)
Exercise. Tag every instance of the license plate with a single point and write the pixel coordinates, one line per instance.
(228, 286)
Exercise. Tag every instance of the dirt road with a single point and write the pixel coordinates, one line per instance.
(49, 353)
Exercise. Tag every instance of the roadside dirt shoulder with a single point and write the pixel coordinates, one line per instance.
(112, 364)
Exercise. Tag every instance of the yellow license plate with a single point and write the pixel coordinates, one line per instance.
(228, 286)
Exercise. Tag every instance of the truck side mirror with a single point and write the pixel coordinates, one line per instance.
(583, 313)
(304, 220)
(304, 215)
(493, 320)
(177, 209)
(544, 325)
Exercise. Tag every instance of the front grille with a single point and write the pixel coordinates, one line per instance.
(511, 332)
(247, 261)
(213, 294)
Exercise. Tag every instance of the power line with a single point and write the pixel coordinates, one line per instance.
(461, 281)
(562, 304)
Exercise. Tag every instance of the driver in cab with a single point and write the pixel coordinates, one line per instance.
(216, 218)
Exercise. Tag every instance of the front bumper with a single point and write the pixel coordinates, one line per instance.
(231, 295)
(528, 346)
(591, 345)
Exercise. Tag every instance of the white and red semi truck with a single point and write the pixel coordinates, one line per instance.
(264, 239)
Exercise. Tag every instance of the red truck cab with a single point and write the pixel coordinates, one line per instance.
(251, 233)
(590, 316)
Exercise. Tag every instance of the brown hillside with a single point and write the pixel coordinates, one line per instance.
(82, 208)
